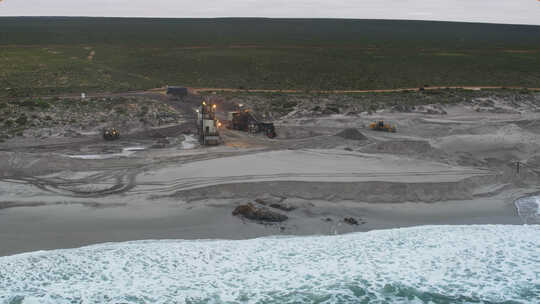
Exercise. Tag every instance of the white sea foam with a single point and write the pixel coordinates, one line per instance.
(529, 209)
(431, 264)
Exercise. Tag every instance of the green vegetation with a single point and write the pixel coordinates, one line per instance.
(22, 120)
(30, 114)
(52, 56)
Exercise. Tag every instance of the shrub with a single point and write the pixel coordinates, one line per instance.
(120, 110)
(31, 104)
(331, 110)
(43, 104)
(22, 120)
(144, 111)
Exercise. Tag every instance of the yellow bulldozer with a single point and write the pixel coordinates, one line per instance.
(382, 126)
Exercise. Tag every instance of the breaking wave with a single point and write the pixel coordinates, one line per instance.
(529, 209)
(430, 264)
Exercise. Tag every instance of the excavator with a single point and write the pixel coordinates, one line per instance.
(382, 126)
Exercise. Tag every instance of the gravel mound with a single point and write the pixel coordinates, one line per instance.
(351, 133)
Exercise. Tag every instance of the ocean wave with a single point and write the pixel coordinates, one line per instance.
(529, 209)
(430, 264)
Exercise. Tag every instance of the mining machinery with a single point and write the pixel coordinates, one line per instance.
(207, 124)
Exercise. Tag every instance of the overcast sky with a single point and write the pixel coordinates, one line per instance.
(493, 11)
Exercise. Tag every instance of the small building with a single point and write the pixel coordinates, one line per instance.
(177, 91)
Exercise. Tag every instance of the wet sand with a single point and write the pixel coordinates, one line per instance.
(26, 229)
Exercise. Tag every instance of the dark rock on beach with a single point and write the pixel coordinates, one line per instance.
(350, 221)
(261, 214)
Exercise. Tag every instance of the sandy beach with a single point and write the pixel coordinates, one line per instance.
(69, 226)
(456, 167)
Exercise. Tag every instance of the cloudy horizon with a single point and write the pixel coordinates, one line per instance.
(492, 11)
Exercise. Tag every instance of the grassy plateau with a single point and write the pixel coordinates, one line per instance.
(54, 56)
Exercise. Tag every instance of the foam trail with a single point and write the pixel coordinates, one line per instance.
(430, 264)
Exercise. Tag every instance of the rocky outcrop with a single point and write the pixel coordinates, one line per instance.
(350, 221)
(276, 204)
(283, 207)
(261, 214)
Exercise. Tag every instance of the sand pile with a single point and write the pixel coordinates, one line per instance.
(368, 192)
(351, 133)
(412, 147)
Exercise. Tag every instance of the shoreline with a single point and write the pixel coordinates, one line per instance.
(28, 229)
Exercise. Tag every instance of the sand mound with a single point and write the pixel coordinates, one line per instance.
(369, 192)
(351, 133)
(508, 143)
(399, 147)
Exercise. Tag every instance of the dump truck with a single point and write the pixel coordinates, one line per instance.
(207, 124)
(382, 126)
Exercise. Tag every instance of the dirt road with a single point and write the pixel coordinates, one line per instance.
(470, 88)
(160, 93)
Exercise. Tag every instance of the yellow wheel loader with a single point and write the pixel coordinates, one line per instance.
(382, 126)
